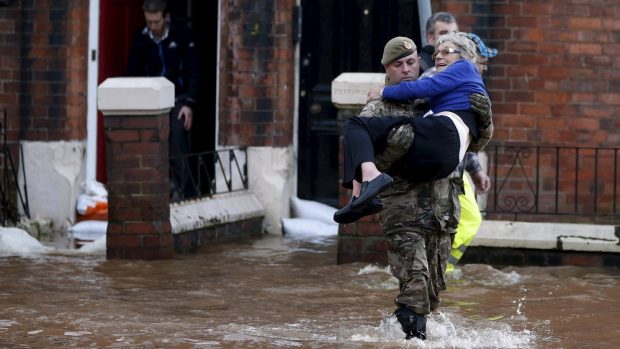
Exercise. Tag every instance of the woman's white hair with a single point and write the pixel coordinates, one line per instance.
(463, 42)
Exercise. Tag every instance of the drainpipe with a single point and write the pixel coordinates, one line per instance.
(424, 12)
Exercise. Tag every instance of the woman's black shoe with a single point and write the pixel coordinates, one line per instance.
(371, 188)
(349, 214)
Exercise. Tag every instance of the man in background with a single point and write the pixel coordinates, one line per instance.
(470, 219)
(166, 48)
(438, 24)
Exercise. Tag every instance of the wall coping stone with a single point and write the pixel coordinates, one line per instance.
(349, 90)
(216, 210)
(135, 96)
(549, 236)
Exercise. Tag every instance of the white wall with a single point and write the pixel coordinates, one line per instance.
(273, 180)
(54, 172)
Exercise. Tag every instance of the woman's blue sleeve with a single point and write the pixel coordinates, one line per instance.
(437, 84)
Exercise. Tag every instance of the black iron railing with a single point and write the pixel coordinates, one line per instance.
(578, 184)
(212, 172)
(12, 197)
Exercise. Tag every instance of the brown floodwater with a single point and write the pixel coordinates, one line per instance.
(280, 292)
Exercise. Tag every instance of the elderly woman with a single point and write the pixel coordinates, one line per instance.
(440, 140)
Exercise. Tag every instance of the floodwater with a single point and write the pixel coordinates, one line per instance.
(281, 292)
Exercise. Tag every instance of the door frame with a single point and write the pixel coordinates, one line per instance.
(92, 83)
(95, 148)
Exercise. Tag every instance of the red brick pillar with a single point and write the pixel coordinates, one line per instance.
(136, 136)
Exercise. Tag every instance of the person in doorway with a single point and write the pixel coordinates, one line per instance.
(440, 23)
(418, 218)
(470, 219)
(440, 140)
(166, 47)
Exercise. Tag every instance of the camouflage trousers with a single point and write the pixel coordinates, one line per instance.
(418, 258)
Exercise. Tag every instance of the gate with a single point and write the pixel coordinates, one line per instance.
(12, 197)
(554, 183)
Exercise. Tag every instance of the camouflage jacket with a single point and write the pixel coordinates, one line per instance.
(427, 206)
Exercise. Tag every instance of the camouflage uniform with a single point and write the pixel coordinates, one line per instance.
(418, 220)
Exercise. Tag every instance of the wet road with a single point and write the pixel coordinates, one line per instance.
(277, 292)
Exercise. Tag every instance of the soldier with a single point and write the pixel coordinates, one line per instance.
(418, 219)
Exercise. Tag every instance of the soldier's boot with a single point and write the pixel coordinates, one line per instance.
(414, 325)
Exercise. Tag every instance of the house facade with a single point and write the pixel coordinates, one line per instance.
(268, 71)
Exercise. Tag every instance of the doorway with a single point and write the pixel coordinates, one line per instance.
(120, 19)
(339, 36)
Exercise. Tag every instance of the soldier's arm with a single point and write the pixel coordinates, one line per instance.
(373, 108)
(485, 137)
(398, 141)
(481, 105)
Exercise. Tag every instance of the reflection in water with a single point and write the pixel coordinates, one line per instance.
(278, 292)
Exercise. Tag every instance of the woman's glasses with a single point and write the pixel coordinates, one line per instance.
(445, 52)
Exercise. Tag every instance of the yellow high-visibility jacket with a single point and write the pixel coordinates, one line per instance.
(469, 224)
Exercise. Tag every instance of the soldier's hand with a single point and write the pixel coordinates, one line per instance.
(401, 137)
(481, 105)
(398, 143)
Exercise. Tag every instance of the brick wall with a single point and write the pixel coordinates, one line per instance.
(9, 64)
(555, 81)
(43, 70)
(556, 78)
(520, 257)
(257, 73)
(138, 187)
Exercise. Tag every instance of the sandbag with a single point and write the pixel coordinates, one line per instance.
(312, 210)
(92, 204)
(87, 231)
(308, 229)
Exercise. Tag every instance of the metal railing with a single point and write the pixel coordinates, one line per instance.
(554, 183)
(12, 197)
(212, 172)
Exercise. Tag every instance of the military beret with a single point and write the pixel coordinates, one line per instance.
(397, 48)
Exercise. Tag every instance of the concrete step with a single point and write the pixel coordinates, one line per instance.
(549, 236)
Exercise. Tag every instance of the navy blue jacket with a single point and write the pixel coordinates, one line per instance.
(175, 58)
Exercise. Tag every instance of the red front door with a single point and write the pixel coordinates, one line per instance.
(118, 21)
